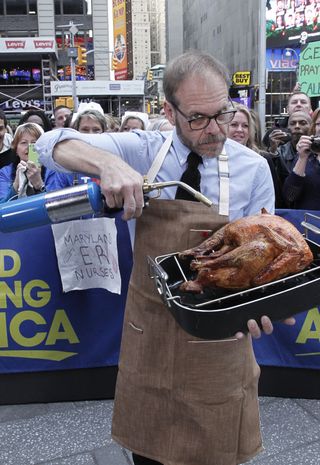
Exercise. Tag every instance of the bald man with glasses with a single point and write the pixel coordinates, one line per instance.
(180, 400)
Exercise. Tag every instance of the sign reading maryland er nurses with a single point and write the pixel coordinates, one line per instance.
(309, 69)
(43, 328)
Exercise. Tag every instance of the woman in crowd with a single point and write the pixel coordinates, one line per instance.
(90, 122)
(301, 187)
(242, 129)
(134, 120)
(23, 177)
(87, 122)
(37, 116)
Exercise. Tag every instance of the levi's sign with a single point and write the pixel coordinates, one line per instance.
(241, 78)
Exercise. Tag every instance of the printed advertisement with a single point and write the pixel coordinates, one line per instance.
(120, 56)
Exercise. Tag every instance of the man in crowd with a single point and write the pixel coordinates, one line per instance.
(60, 114)
(298, 101)
(7, 154)
(179, 399)
(286, 154)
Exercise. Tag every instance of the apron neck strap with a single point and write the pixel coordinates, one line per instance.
(223, 168)
(224, 186)
(157, 162)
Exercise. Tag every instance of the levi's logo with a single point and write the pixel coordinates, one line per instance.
(43, 43)
(15, 43)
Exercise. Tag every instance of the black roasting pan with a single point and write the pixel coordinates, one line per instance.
(220, 313)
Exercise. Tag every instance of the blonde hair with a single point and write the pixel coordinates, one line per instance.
(251, 144)
(33, 129)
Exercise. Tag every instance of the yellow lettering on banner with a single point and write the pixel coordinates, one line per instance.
(16, 263)
(311, 327)
(3, 330)
(16, 323)
(61, 329)
(15, 296)
(42, 297)
(6, 293)
(61, 320)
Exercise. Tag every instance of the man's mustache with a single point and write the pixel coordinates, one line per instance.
(212, 139)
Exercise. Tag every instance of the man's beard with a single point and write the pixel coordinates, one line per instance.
(197, 148)
(295, 137)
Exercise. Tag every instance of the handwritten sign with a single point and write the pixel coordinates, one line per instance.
(87, 254)
(309, 69)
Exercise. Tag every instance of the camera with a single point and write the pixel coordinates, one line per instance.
(315, 146)
(286, 138)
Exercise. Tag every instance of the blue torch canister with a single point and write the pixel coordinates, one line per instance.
(51, 207)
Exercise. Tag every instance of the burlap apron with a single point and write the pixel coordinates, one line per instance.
(181, 400)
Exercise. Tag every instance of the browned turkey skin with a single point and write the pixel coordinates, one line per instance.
(248, 252)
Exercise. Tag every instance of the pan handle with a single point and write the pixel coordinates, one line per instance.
(309, 226)
(160, 277)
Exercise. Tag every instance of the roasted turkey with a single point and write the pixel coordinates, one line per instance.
(248, 252)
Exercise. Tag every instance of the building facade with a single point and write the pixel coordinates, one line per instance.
(39, 34)
(148, 35)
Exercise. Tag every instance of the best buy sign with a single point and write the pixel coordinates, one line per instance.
(241, 78)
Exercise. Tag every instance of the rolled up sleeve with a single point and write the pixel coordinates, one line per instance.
(46, 143)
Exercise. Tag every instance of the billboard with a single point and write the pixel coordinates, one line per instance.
(282, 59)
(292, 21)
(120, 39)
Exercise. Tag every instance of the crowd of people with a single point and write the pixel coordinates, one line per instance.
(295, 167)
(21, 176)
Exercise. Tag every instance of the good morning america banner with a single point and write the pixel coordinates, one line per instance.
(295, 346)
(42, 328)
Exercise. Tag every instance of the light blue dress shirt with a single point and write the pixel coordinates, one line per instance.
(251, 186)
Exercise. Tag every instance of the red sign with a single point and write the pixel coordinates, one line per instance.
(15, 44)
(43, 43)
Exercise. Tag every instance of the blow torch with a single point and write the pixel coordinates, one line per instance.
(68, 204)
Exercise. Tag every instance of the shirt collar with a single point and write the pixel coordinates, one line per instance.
(183, 151)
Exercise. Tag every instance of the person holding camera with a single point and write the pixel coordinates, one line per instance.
(301, 186)
(286, 155)
(23, 177)
(298, 101)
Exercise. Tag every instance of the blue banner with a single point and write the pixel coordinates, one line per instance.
(41, 328)
(295, 346)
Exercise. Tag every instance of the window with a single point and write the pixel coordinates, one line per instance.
(33, 7)
(70, 7)
(16, 7)
(88, 7)
(280, 85)
(57, 7)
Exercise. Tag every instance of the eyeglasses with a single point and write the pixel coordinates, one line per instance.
(199, 122)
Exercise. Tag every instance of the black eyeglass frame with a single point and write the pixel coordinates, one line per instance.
(232, 111)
